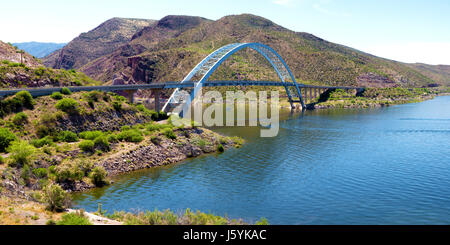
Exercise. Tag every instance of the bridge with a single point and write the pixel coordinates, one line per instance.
(198, 78)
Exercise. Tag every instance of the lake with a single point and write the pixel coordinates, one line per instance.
(386, 165)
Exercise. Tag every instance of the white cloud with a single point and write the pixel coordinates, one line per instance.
(434, 53)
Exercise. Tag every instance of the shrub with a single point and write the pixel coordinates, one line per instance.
(220, 148)
(68, 171)
(93, 95)
(66, 91)
(6, 137)
(98, 176)
(131, 135)
(55, 197)
(26, 99)
(168, 132)
(2, 160)
(117, 105)
(102, 143)
(21, 153)
(56, 96)
(87, 145)
(84, 165)
(112, 138)
(90, 135)
(47, 125)
(20, 119)
(74, 219)
(155, 140)
(25, 173)
(38, 143)
(125, 128)
(40, 172)
(67, 105)
(68, 136)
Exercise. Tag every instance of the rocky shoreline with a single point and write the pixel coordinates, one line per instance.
(190, 142)
(165, 151)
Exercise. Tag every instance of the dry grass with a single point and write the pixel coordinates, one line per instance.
(15, 211)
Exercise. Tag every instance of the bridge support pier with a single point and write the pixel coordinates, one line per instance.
(130, 95)
(315, 92)
(306, 95)
(157, 94)
(310, 95)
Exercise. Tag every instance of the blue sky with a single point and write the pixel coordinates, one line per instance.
(408, 31)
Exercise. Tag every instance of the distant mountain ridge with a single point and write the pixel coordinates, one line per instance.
(39, 49)
(168, 49)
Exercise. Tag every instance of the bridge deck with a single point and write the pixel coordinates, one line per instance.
(166, 85)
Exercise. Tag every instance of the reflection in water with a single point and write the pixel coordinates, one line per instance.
(354, 166)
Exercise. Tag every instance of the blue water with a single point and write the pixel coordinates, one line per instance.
(364, 166)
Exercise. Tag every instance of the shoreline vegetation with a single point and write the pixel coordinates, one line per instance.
(66, 142)
(53, 145)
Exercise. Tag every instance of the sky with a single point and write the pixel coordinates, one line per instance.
(403, 30)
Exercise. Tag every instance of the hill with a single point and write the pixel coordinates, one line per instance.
(39, 49)
(10, 53)
(168, 50)
(20, 69)
(98, 42)
(439, 73)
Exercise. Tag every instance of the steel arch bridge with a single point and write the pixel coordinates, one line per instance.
(203, 70)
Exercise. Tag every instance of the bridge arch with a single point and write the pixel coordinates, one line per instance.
(208, 65)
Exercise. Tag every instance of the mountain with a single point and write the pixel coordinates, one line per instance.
(20, 69)
(100, 41)
(169, 48)
(38, 49)
(439, 73)
(9, 53)
(117, 63)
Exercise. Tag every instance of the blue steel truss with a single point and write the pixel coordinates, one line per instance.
(208, 65)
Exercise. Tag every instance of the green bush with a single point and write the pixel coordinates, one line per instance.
(69, 171)
(47, 125)
(40, 172)
(131, 135)
(6, 137)
(74, 219)
(26, 99)
(66, 91)
(55, 197)
(67, 105)
(2, 160)
(25, 174)
(102, 143)
(38, 143)
(68, 136)
(84, 165)
(20, 119)
(21, 153)
(90, 135)
(56, 96)
(125, 128)
(87, 145)
(112, 138)
(98, 176)
(117, 105)
(220, 148)
(168, 132)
